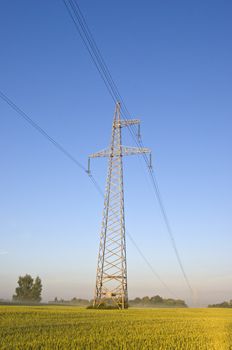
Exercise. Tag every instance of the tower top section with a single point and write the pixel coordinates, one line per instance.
(118, 123)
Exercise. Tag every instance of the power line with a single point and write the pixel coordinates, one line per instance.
(86, 36)
(59, 147)
(38, 128)
(25, 116)
(88, 44)
(149, 264)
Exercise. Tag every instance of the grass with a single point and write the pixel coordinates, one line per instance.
(53, 328)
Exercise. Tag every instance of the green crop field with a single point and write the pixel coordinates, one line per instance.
(60, 327)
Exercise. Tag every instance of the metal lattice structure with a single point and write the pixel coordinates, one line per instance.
(111, 278)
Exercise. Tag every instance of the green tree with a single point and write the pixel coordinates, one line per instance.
(146, 300)
(28, 289)
(156, 299)
(36, 290)
(137, 300)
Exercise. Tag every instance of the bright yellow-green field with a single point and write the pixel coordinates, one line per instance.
(52, 327)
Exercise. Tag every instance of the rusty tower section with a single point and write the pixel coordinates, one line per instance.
(111, 277)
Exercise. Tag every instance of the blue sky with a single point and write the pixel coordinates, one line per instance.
(172, 63)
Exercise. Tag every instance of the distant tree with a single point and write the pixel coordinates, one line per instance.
(28, 289)
(156, 299)
(137, 300)
(225, 304)
(146, 300)
(36, 290)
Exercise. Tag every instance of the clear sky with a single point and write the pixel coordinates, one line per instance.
(172, 63)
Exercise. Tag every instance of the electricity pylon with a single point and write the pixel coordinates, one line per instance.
(111, 278)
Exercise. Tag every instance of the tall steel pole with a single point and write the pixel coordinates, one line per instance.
(111, 277)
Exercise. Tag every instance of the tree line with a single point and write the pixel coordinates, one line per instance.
(224, 304)
(156, 301)
(29, 291)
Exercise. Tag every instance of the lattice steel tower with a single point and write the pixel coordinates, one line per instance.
(111, 278)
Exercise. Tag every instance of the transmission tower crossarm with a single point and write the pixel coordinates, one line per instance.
(123, 151)
(127, 122)
(103, 153)
(130, 151)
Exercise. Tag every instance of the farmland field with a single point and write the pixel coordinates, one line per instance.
(60, 327)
